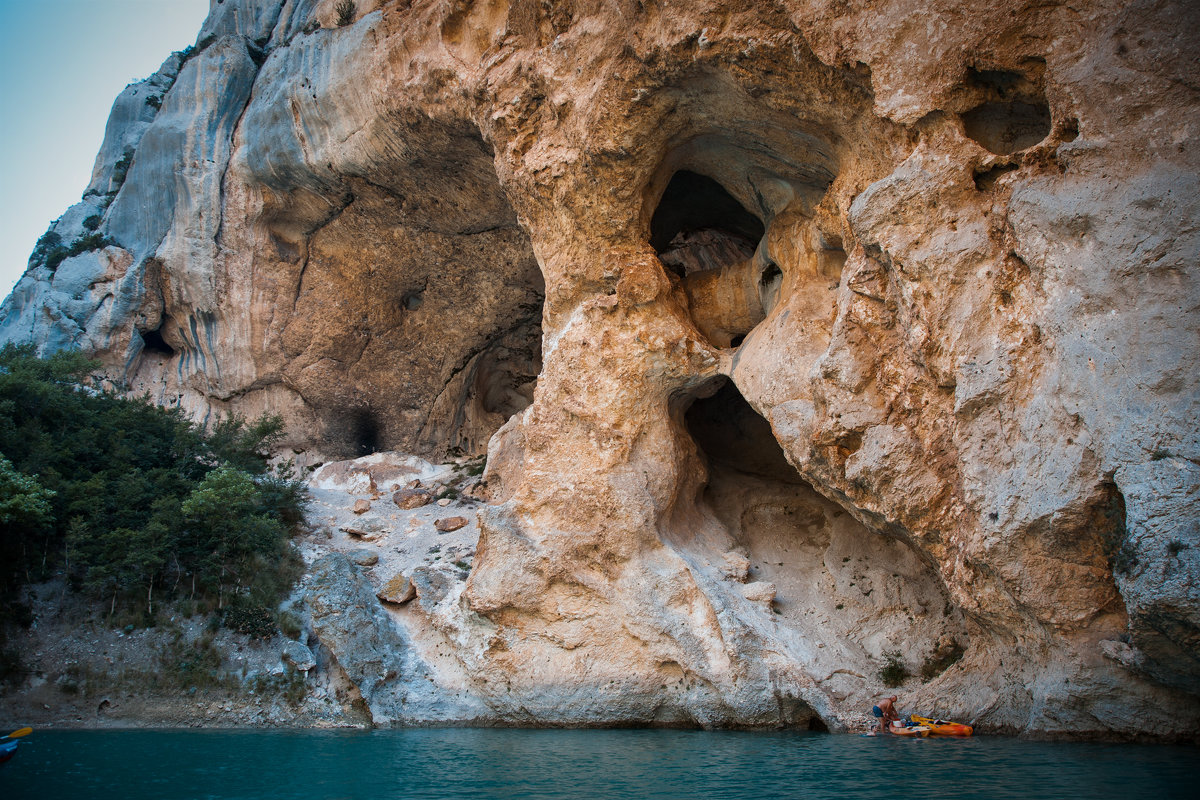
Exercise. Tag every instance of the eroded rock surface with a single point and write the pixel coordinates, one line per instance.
(797, 334)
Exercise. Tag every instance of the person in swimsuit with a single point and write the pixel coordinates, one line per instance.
(886, 712)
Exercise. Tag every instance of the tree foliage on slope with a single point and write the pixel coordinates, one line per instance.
(134, 500)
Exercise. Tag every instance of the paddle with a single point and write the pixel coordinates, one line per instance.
(17, 734)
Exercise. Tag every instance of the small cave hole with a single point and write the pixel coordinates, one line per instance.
(985, 180)
(772, 274)
(412, 300)
(363, 432)
(999, 82)
(769, 284)
(153, 342)
(1012, 113)
(1006, 128)
(707, 238)
(287, 250)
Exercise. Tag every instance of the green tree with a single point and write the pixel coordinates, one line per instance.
(133, 500)
(228, 533)
(25, 515)
(23, 501)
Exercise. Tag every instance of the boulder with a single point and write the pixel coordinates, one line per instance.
(412, 498)
(363, 535)
(759, 592)
(298, 656)
(736, 567)
(399, 589)
(364, 557)
(433, 584)
(361, 506)
(450, 524)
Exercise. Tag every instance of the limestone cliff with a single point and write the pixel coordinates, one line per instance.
(796, 333)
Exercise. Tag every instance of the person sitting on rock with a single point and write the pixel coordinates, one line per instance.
(886, 712)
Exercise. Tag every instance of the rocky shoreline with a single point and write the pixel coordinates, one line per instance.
(86, 671)
(377, 568)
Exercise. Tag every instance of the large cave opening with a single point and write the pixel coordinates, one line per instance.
(849, 594)
(708, 240)
(420, 300)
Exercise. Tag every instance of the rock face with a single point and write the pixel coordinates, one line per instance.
(797, 334)
(376, 655)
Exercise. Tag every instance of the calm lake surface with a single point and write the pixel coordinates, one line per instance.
(534, 764)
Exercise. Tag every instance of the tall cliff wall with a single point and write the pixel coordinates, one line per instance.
(796, 332)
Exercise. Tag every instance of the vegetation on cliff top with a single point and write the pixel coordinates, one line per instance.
(134, 502)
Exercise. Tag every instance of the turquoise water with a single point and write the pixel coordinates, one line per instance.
(535, 764)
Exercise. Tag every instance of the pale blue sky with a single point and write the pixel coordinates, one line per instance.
(62, 63)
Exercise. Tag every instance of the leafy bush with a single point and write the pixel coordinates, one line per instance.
(290, 625)
(47, 243)
(893, 672)
(51, 252)
(345, 13)
(121, 168)
(134, 501)
(256, 622)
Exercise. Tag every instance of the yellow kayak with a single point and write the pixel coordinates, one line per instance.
(941, 727)
(920, 731)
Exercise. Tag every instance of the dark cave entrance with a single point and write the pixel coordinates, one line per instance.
(709, 241)
(362, 432)
(734, 438)
(699, 226)
(1012, 114)
(153, 342)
